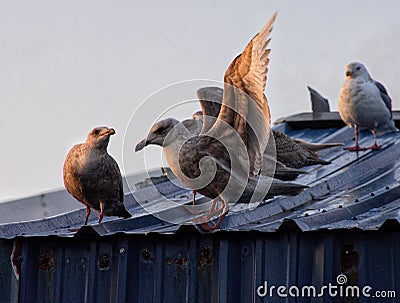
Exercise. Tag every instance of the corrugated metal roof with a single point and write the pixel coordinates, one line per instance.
(358, 190)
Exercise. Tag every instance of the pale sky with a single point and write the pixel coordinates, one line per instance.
(67, 66)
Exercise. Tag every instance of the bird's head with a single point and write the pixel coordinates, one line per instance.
(100, 136)
(198, 116)
(157, 133)
(356, 69)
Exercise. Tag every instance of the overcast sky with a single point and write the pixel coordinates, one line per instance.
(67, 66)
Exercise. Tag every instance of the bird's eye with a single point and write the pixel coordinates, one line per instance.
(96, 131)
(358, 68)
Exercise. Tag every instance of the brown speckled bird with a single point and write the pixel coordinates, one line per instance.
(226, 157)
(93, 177)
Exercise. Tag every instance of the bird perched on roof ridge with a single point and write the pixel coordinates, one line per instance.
(93, 177)
(365, 104)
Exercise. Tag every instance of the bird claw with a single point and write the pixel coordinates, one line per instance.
(207, 227)
(374, 147)
(355, 148)
(206, 218)
(194, 211)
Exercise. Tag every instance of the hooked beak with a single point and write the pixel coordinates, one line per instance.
(111, 131)
(108, 132)
(142, 144)
(348, 73)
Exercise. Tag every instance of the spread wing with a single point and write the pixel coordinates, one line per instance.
(244, 105)
(210, 99)
(385, 96)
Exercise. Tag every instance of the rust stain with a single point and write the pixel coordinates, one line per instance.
(47, 261)
(205, 257)
(104, 262)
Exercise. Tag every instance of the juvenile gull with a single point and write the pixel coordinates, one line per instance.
(162, 132)
(225, 158)
(292, 153)
(269, 162)
(365, 104)
(93, 177)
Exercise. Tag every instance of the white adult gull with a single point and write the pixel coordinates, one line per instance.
(365, 104)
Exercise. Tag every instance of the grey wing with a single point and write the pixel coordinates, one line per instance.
(385, 96)
(194, 126)
(210, 99)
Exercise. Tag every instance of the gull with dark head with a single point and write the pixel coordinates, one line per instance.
(93, 177)
(365, 104)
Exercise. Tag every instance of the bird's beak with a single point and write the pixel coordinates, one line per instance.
(142, 144)
(348, 73)
(108, 132)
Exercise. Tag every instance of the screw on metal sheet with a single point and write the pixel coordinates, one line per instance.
(146, 254)
(354, 218)
(47, 261)
(306, 215)
(356, 200)
(122, 250)
(205, 257)
(372, 195)
(387, 187)
(104, 262)
(340, 206)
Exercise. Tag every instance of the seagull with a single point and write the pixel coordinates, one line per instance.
(93, 177)
(226, 157)
(290, 152)
(269, 163)
(365, 104)
(297, 153)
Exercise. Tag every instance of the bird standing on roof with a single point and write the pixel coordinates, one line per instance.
(226, 157)
(365, 104)
(93, 177)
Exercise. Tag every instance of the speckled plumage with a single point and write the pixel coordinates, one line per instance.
(93, 177)
(238, 159)
(293, 154)
(290, 153)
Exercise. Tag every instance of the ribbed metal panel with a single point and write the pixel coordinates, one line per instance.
(191, 267)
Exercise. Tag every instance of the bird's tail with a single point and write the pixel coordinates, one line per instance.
(315, 161)
(123, 213)
(288, 174)
(387, 127)
(285, 188)
(274, 188)
(316, 146)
